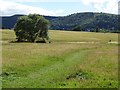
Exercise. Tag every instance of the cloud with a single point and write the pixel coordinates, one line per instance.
(11, 7)
(107, 6)
(94, 1)
(119, 8)
(44, 0)
(8, 8)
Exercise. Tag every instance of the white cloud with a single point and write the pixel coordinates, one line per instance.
(44, 0)
(119, 7)
(94, 1)
(107, 6)
(10, 8)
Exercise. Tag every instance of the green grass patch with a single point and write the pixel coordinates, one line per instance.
(61, 64)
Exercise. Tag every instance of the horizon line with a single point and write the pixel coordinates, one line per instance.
(56, 15)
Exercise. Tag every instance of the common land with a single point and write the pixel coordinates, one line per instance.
(72, 60)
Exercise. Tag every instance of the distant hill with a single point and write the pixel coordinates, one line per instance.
(87, 21)
(8, 22)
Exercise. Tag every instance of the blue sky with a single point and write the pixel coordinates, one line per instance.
(57, 7)
(66, 7)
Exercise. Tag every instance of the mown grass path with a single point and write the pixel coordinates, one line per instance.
(50, 74)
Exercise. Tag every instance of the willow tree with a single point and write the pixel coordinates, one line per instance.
(31, 28)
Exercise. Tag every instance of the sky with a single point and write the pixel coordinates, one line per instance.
(56, 7)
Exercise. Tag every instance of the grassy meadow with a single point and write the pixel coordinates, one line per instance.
(72, 60)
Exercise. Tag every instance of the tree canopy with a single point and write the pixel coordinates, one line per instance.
(31, 28)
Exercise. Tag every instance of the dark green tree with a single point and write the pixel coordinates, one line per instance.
(96, 29)
(31, 28)
(77, 28)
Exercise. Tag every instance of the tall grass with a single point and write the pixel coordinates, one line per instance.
(60, 64)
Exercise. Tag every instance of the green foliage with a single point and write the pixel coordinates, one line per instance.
(32, 27)
(88, 21)
(77, 28)
(3, 27)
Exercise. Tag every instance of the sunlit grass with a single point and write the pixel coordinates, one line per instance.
(60, 64)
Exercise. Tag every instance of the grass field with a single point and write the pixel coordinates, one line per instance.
(61, 64)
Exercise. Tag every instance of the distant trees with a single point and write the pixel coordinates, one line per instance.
(92, 22)
(3, 27)
(31, 28)
(77, 28)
